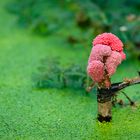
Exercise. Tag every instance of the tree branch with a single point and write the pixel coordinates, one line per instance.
(127, 82)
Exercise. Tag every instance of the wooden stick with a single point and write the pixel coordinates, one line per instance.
(104, 102)
(88, 89)
(127, 82)
(131, 102)
(105, 95)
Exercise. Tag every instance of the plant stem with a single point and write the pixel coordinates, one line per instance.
(104, 102)
(131, 102)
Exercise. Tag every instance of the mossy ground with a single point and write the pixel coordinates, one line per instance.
(27, 113)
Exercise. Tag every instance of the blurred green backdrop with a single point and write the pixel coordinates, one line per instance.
(44, 41)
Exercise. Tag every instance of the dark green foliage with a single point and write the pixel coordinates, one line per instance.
(75, 76)
(42, 16)
(51, 74)
(45, 17)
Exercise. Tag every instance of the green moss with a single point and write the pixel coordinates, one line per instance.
(26, 113)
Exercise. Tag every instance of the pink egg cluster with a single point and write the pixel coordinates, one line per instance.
(111, 40)
(105, 56)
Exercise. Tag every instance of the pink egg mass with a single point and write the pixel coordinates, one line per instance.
(106, 54)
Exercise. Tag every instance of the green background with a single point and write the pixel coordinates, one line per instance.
(54, 114)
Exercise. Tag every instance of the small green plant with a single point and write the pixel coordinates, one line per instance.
(51, 74)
